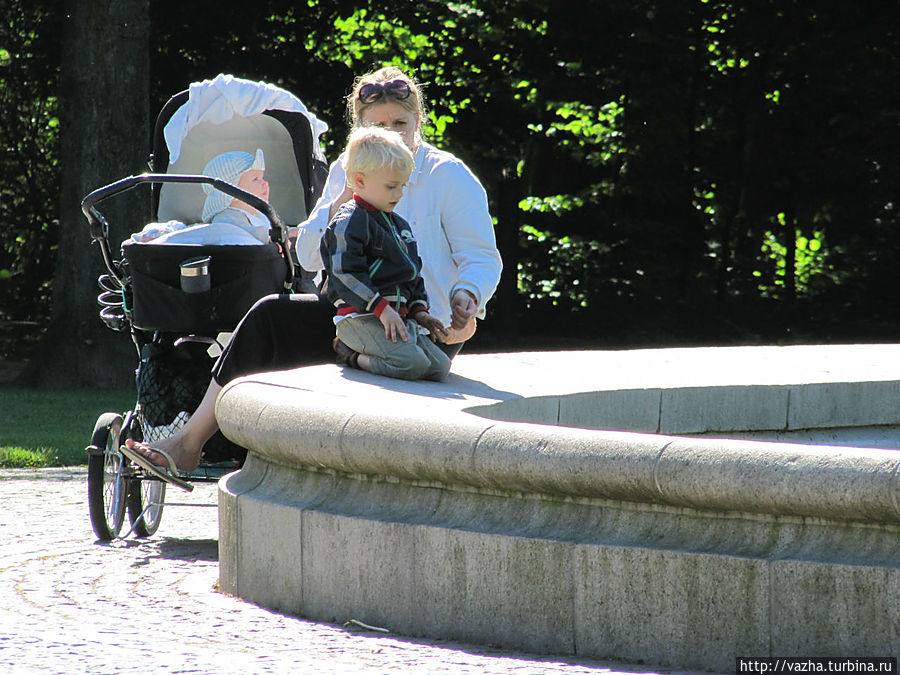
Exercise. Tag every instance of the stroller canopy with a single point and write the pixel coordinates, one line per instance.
(228, 113)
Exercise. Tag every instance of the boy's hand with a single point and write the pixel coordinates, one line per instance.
(394, 325)
(432, 323)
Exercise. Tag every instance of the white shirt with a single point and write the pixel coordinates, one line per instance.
(447, 208)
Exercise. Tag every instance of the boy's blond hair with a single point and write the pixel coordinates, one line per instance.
(372, 148)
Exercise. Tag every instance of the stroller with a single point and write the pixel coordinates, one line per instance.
(151, 290)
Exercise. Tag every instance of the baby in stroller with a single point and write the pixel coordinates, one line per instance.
(225, 219)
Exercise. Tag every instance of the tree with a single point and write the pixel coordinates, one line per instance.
(660, 172)
(103, 102)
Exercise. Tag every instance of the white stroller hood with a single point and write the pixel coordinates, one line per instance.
(225, 114)
(225, 97)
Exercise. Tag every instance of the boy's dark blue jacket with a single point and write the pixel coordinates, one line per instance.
(371, 260)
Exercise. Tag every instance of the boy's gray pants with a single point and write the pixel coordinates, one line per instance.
(419, 358)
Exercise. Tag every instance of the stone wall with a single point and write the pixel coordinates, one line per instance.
(428, 520)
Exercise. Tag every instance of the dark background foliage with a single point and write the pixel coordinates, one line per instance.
(661, 173)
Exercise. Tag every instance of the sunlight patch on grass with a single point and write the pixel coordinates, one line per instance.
(24, 458)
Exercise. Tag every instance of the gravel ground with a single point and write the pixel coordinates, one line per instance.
(70, 604)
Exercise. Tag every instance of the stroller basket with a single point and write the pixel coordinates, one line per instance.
(239, 276)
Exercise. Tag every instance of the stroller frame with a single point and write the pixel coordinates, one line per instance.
(117, 485)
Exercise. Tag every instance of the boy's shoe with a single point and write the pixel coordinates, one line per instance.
(345, 355)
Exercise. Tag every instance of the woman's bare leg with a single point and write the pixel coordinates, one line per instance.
(186, 445)
(266, 339)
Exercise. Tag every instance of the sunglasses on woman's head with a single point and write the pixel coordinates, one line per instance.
(372, 91)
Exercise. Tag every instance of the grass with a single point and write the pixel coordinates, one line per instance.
(40, 428)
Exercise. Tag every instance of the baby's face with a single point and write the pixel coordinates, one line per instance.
(383, 188)
(255, 183)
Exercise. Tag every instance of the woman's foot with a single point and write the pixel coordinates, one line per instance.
(185, 458)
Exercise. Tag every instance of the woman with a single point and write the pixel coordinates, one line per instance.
(447, 209)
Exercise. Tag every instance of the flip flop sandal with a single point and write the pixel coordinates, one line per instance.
(170, 474)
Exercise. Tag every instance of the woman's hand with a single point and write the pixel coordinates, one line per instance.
(394, 325)
(463, 307)
(345, 196)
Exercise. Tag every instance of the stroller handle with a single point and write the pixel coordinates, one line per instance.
(100, 227)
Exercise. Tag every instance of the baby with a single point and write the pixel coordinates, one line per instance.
(225, 219)
(246, 172)
(373, 268)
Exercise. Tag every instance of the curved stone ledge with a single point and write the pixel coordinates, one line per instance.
(434, 509)
(697, 390)
(460, 450)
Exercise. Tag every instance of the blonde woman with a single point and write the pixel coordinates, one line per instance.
(444, 203)
(447, 210)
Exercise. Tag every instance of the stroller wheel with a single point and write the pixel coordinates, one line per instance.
(107, 482)
(145, 500)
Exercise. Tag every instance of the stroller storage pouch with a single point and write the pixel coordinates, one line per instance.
(238, 276)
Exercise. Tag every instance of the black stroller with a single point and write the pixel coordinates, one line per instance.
(151, 291)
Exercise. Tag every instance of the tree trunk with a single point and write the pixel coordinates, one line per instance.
(104, 136)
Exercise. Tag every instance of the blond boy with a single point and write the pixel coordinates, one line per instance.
(374, 270)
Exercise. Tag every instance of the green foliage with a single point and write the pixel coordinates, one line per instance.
(559, 273)
(809, 265)
(639, 156)
(588, 132)
(29, 189)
